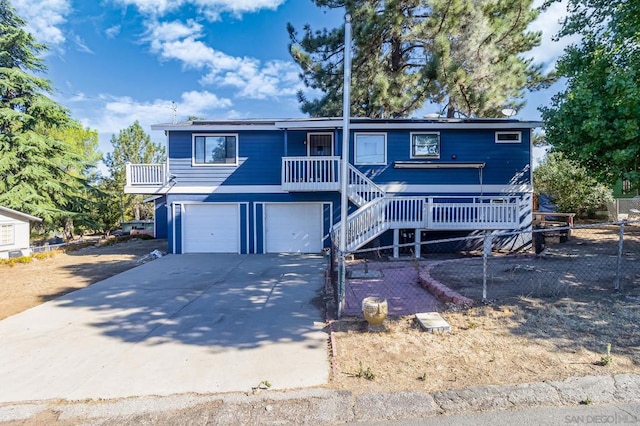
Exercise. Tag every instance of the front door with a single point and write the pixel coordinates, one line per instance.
(320, 144)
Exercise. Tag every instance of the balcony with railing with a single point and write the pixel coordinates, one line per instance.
(311, 173)
(145, 178)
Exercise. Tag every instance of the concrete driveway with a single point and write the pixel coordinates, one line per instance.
(183, 323)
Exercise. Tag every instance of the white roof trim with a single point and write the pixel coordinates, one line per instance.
(20, 214)
(356, 124)
(223, 127)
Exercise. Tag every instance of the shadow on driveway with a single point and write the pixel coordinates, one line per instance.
(182, 323)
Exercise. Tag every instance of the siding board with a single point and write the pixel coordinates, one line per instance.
(260, 154)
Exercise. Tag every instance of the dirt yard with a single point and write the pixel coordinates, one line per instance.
(545, 318)
(26, 285)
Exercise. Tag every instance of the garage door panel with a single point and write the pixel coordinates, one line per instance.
(211, 228)
(293, 228)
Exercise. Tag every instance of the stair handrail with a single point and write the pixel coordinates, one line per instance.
(364, 224)
(355, 179)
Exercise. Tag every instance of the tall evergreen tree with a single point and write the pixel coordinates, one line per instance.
(132, 145)
(462, 54)
(82, 143)
(596, 119)
(34, 163)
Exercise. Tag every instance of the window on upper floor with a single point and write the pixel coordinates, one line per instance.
(370, 148)
(320, 144)
(7, 234)
(508, 137)
(626, 186)
(425, 145)
(215, 150)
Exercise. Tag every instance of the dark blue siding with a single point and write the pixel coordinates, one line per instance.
(259, 227)
(260, 159)
(161, 218)
(504, 163)
(178, 230)
(243, 229)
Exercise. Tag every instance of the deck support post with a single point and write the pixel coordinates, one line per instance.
(396, 243)
(417, 245)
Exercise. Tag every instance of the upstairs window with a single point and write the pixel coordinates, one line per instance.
(370, 148)
(508, 137)
(425, 145)
(215, 149)
(7, 234)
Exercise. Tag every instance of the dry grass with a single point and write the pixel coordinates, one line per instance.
(46, 276)
(544, 322)
(489, 345)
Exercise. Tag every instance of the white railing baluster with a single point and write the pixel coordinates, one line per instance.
(310, 173)
(145, 174)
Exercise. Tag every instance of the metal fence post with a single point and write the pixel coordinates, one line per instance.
(341, 280)
(488, 242)
(619, 259)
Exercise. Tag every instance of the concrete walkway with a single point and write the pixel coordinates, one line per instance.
(190, 323)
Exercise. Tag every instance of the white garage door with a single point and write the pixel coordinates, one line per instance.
(293, 228)
(211, 228)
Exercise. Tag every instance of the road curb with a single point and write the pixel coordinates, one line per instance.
(315, 405)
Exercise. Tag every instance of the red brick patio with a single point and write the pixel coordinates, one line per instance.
(396, 281)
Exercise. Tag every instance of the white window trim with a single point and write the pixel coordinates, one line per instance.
(308, 142)
(518, 132)
(193, 149)
(424, 156)
(12, 226)
(355, 148)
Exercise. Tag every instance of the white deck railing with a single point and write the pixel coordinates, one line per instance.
(435, 213)
(311, 173)
(466, 213)
(146, 174)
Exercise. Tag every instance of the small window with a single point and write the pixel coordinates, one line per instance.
(370, 148)
(425, 145)
(215, 149)
(626, 186)
(7, 234)
(508, 137)
(320, 144)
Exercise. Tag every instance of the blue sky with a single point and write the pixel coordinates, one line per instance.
(114, 61)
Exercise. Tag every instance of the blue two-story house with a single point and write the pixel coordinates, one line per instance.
(271, 186)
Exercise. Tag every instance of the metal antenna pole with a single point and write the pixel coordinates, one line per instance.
(344, 201)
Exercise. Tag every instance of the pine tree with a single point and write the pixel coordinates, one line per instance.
(595, 121)
(463, 54)
(34, 164)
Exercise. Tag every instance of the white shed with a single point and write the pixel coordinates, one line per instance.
(14, 232)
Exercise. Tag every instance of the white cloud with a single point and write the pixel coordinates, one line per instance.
(45, 19)
(112, 32)
(252, 78)
(549, 23)
(80, 44)
(274, 79)
(208, 8)
(111, 114)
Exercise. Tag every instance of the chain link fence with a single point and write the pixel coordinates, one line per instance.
(554, 262)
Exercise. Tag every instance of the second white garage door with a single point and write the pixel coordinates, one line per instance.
(211, 228)
(293, 228)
